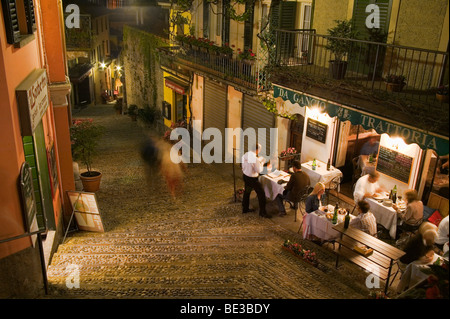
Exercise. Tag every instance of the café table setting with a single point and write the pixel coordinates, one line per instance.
(318, 223)
(320, 174)
(274, 182)
(385, 214)
(413, 272)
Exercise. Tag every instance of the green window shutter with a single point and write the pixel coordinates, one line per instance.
(248, 25)
(287, 15)
(360, 15)
(11, 21)
(30, 157)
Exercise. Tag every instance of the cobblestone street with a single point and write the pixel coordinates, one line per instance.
(198, 245)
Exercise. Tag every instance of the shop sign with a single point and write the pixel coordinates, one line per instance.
(174, 86)
(32, 100)
(410, 135)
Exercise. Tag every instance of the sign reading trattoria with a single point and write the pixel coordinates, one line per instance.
(409, 134)
(32, 100)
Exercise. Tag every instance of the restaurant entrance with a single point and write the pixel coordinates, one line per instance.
(356, 144)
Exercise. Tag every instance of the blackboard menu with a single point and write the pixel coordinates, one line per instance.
(394, 164)
(27, 190)
(316, 130)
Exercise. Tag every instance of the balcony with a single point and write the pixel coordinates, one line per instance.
(237, 72)
(303, 60)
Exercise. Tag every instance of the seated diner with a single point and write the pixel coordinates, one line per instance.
(315, 199)
(365, 220)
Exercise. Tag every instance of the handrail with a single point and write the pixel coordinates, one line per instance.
(312, 32)
(41, 251)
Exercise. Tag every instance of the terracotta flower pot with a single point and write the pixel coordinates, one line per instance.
(394, 87)
(441, 97)
(91, 183)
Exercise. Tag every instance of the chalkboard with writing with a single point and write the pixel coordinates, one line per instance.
(316, 130)
(394, 164)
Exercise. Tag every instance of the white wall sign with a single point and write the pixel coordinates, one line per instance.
(32, 100)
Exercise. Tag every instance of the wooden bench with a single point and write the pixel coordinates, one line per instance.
(379, 263)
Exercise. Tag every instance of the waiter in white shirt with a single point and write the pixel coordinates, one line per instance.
(252, 165)
(367, 186)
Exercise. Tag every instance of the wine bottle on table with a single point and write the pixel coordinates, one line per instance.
(347, 220)
(335, 215)
(394, 194)
(328, 165)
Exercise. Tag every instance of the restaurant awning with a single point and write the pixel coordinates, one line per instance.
(79, 72)
(426, 140)
(176, 85)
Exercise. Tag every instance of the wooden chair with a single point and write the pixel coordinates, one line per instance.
(333, 185)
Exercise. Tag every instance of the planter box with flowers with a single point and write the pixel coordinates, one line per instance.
(303, 254)
(240, 194)
(442, 93)
(395, 83)
(247, 56)
(174, 125)
(288, 154)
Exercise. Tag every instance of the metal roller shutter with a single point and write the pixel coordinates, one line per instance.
(215, 106)
(256, 116)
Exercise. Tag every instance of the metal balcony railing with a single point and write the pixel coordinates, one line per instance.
(365, 63)
(243, 73)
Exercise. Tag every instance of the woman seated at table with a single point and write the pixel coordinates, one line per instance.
(420, 246)
(315, 199)
(412, 216)
(365, 221)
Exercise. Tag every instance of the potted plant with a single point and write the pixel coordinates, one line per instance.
(442, 93)
(225, 51)
(246, 56)
(340, 47)
(84, 135)
(395, 83)
(133, 112)
(288, 154)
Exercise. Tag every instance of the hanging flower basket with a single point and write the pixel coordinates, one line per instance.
(303, 254)
(288, 154)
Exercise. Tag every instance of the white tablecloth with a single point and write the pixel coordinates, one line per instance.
(318, 225)
(271, 186)
(385, 216)
(320, 174)
(413, 273)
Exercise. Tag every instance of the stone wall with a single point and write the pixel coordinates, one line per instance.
(143, 76)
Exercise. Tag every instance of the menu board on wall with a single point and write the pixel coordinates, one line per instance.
(394, 164)
(316, 130)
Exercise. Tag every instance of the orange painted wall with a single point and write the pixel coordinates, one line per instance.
(15, 65)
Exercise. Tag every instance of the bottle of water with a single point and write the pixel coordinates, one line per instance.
(314, 164)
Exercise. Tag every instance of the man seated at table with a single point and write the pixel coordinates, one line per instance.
(367, 186)
(294, 188)
(365, 221)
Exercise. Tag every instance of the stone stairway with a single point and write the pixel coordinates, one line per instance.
(198, 245)
(223, 254)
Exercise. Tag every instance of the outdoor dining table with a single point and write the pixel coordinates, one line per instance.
(413, 273)
(270, 184)
(385, 215)
(317, 224)
(320, 174)
(366, 166)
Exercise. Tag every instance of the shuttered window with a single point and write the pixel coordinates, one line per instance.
(14, 25)
(11, 21)
(360, 15)
(283, 17)
(248, 25)
(31, 20)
